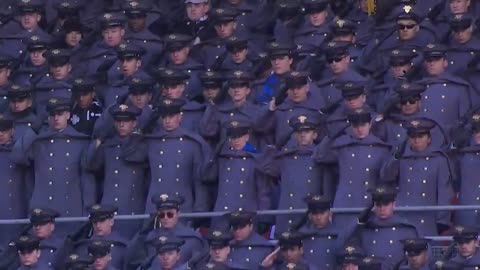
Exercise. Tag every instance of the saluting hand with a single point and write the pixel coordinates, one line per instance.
(268, 261)
(272, 106)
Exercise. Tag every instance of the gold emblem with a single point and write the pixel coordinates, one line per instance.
(23, 238)
(476, 117)
(396, 52)
(108, 16)
(78, 81)
(415, 123)
(238, 73)
(220, 11)
(37, 211)
(53, 101)
(96, 207)
(340, 23)
(123, 107)
(430, 45)
(34, 38)
(349, 249)
(217, 233)
(172, 37)
(302, 118)
(164, 197)
(56, 51)
(163, 239)
(167, 102)
(286, 235)
(74, 257)
(407, 9)
(234, 124)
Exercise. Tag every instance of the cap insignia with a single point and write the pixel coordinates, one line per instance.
(410, 241)
(439, 264)
(217, 233)
(396, 52)
(476, 117)
(167, 102)
(302, 118)
(350, 249)
(53, 101)
(34, 38)
(97, 243)
(459, 229)
(295, 74)
(349, 85)
(209, 73)
(407, 9)
(96, 207)
(134, 4)
(172, 37)
(65, 4)
(123, 46)
(74, 257)
(163, 239)
(15, 87)
(274, 44)
(210, 266)
(25, 1)
(340, 23)
(415, 123)
(37, 211)
(55, 51)
(79, 81)
(286, 235)
(367, 260)
(291, 266)
(164, 197)
(136, 80)
(234, 124)
(430, 45)
(220, 11)
(331, 44)
(238, 73)
(23, 238)
(317, 198)
(405, 86)
(108, 16)
(123, 107)
(169, 72)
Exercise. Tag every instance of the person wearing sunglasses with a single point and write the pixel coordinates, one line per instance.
(468, 255)
(462, 44)
(346, 30)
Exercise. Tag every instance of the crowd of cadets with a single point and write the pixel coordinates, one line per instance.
(159, 107)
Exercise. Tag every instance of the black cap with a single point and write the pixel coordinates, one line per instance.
(83, 85)
(351, 89)
(475, 123)
(408, 13)
(296, 79)
(318, 203)
(123, 112)
(59, 104)
(462, 234)
(175, 41)
(287, 9)
(350, 254)
(280, 49)
(27, 243)
(235, 44)
(168, 107)
(99, 248)
(460, 22)
(401, 56)
(129, 50)
(68, 8)
(42, 216)
(303, 122)
(167, 242)
(73, 25)
(36, 43)
(238, 128)
(384, 194)
(370, 263)
(168, 76)
(29, 6)
(78, 262)
(137, 85)
(414, 246)
(101, 212)
(167, 201)
(239, 78)
(359, 116)
(287, 240)
(314, 6)
(223, 15)
(407, 90)
(434, 51)
(240, 219)
(135, 9)
(214, 266)
(445, 265)
(219, 239)
(5, 61)
(58, 57)
(343, 27)
(6, 122)
(19, 92)
(112, 20)
(211, 79)
(335, 49)
(419, 126)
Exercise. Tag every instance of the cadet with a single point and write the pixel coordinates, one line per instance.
(300, 100)
(16, 186)
(447, 97)
(29, 253)
(196, 22)
(52, 243)
(345, 30)
(20, 109)
(102, 222)
(359, 155)
(468, 254)
(314, 31)
(86, 109)
(66, 10)
(416, 251)
(423, 174)
(177, 174)
(299, 174)
(34, 66)
(239, 57)
(101, 252)
(56, 155)
(220, 249)
(56, 83)
(168, 254)
(248, 247)
(350, 257)
(75, 261)
(288, 18)
(212, 84)
(120, 160)
(178, 56)
(462, 45)
(379, 235)
(5, 71)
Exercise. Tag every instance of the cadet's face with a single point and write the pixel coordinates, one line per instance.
(60, 72)
(125, 127)
(85, 100)
(464, 36)
(168, 259)
(339, 65)
(400, 70)
(174, 91)
(225, 29)
(411, 106)
(435, 66)
(130, 66)
(384, 210)
(36, 57)
(293, 255)
(242, 233)
(320, 219)
(467, 249)
(20, 105)
(137, 24)
(281, 64)
(168, 218)
(459, 6)
(210, 93)
(419, 142)
(349, 266)
(44, 231)
(361, 131)
(298, 94)
(476, 137)
(305, 137)
(101, 263)
(419, 261)
(113, 36)
(4, 75)
(220, 255)
(363, 5)
(103, 227)
(239, 93)
(239, 56)
(354, 103)
(179, 56)
(171, 122)
(141, 100)
(318, 18)
(407, 29)
(29, 258)
(239, 143)
(196, 11)
(73, 38)
(30, 20)
(59, 120)
(6, 136)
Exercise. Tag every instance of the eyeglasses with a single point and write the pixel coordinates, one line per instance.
(410, 101)
(405, 26)
(168, 215)
(336, 59)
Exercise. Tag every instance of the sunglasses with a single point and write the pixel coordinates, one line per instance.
(168, 215)
(336, 59)
(406, 26)
(410, 101)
